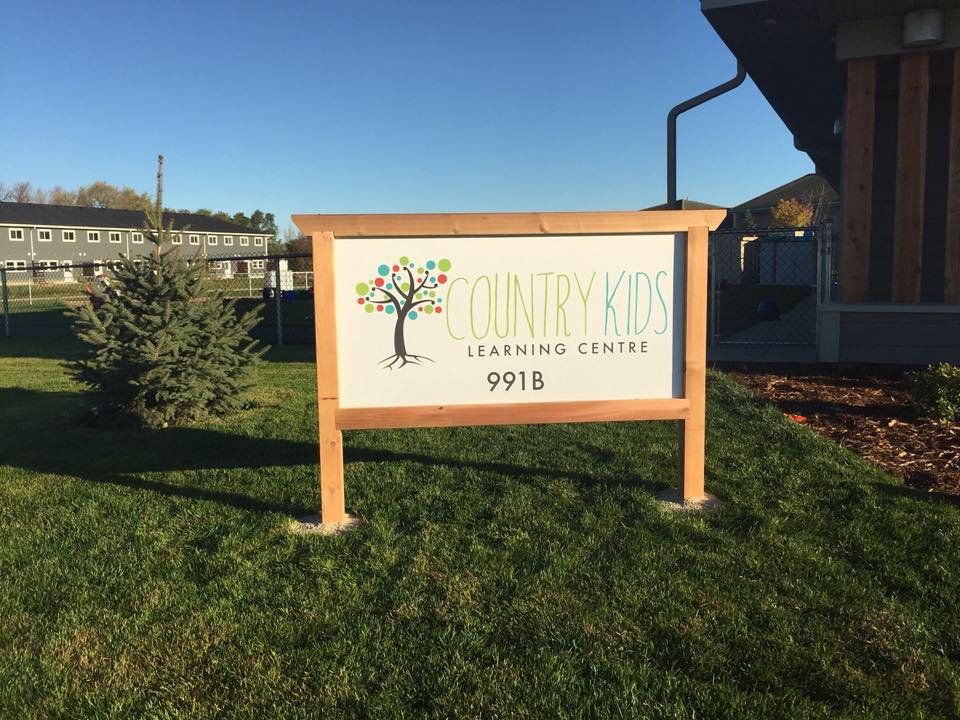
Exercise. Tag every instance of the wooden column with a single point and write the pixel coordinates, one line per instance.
(951, 285)
(332, 508)
(911, 176)
(693, 428)
(858, 134)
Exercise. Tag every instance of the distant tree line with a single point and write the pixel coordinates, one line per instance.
(97, 194)
(101, 194)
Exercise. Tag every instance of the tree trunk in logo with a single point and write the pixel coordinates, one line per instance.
(399, 344)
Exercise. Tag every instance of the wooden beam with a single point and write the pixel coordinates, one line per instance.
(555, 223)
(693, 428)
(511, 414)
(911, 176)
(858, 134)
(952, 268)
(332, 505)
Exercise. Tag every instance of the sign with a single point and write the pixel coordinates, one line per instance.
(424, 321)
(429, 320)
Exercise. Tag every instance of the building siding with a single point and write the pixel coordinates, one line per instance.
(910, 338)
(33, 250)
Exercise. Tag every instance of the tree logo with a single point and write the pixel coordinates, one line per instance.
(404, 291)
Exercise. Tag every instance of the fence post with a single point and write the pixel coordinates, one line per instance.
(278, 299)
(6, 302)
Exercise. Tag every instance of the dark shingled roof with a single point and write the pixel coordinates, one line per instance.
(35, 214)
(687, 205)
(809, 184)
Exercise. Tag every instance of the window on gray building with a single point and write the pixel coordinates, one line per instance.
(16, 233)
(258, 242)
(228, 239)
(194, 239)
(114, 237)
(69, 236)
(177, 239)
(244, 240)
(138, 238)
(211, 239)
(44, 235)
(93, 236)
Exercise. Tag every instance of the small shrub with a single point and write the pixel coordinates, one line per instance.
(936, 391)
(162, 346)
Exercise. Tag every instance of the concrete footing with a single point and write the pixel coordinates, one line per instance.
(671, 500)
(312, 525)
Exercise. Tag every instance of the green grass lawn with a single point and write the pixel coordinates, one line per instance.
(501, 572)
(51, 313)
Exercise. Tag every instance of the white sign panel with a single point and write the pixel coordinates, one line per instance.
(468, 320)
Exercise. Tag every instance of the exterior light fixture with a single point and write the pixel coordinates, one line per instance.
(923, 28)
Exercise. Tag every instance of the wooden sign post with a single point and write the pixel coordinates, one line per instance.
(523, 318)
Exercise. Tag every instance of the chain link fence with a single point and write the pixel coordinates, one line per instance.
(36, 298)
(767, 285)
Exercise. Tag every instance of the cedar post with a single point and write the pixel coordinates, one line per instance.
(858, 134)
(911, 176)
(952, 271)
(332, 508)
(693, 427)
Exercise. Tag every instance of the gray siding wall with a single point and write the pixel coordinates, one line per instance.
(82, 250)
(914, 338)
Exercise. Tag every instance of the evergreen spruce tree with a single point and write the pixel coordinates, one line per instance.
(162, 345)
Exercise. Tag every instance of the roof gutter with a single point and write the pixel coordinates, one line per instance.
(693, 102)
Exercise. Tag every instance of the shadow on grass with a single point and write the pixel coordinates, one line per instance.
(42, 434)
(362, 454)
(904, 491)
(57, 345)
(49, 346)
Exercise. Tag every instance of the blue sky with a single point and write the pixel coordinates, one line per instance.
(361, 106)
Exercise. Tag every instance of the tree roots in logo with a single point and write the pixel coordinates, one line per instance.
(405, 359)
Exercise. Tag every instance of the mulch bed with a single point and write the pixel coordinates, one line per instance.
(867, 410)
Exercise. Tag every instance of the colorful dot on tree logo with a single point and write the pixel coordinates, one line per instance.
(437, 309)
(389, 309)
(360, 301)
(412, 315)
(379, 308)
(368, 308)
(383, 270)
(441, 279)
(431, 264)
(404, 260)
(362, 288)
(396, 268)
(444, 265)
(378, 282)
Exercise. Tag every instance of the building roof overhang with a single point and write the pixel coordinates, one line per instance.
(787, 48)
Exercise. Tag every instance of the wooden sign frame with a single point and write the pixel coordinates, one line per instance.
(690, 409)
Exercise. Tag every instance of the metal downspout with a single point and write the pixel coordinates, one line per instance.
(693, 102)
